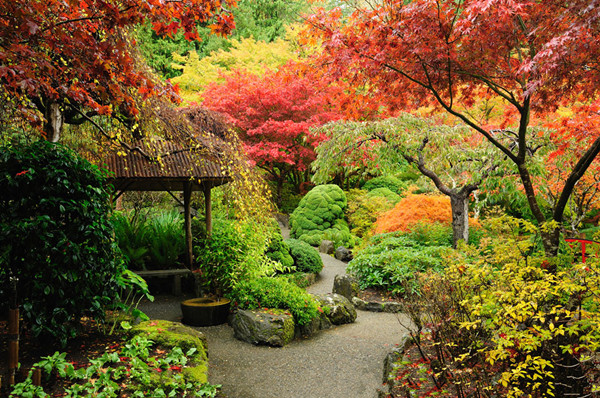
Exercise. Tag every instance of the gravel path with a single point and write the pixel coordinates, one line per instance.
(345, 361)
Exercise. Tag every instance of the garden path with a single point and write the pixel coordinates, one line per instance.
(345, 361)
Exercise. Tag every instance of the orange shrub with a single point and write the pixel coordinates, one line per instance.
(413, 209)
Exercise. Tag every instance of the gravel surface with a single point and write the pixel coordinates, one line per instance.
(345, 361)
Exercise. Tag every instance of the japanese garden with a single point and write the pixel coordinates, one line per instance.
(300, 198)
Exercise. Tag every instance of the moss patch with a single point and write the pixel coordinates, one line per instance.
(172, 334)
(168, 335)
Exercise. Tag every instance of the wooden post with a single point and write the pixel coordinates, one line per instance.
(13, 333)
(187, 196)
(208, 211)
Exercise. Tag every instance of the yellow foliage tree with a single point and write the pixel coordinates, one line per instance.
(249, 54)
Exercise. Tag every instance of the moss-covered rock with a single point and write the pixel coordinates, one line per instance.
(169, 335)
(172, 334)
(320, 215)
(272, 327)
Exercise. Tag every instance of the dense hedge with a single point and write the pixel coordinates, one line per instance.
(320, 215)
(306, 258)
(56, 238)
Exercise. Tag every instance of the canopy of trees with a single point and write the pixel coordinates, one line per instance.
(533, 56)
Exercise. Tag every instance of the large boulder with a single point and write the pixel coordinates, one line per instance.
(338, 308)
(272, 327)
(343, 254)
(316, 324)
(346, 285)
(326, 247)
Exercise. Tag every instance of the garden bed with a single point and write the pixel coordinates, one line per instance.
(91, 342)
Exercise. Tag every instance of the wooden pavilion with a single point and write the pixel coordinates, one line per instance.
(174, 165)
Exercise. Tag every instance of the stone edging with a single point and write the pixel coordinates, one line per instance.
(374, 306)
(389, 365)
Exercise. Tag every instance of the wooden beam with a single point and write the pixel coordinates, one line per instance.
(208, 209)
(187, 196)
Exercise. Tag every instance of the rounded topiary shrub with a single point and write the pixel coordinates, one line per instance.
(279, 251)
(320, 215)
(306, 258)
(55, 237)
(392, 183)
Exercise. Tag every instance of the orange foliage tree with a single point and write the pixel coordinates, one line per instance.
(415, 209)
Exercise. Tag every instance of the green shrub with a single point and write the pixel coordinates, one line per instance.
(306, 258)
(365, 207)
(320, 215)
(55, 236)
(279, 251)
(386, 193)
(220, 256)
(275, 293)
(392, 261)
(392, 183)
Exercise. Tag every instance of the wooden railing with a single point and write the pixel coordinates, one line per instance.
(582, 245)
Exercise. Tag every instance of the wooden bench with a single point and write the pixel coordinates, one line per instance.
(163, 273)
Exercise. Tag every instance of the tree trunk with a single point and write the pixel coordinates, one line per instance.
(279, 198)
(54, 123)
(460, 218)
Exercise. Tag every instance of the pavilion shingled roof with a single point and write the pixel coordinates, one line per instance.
(165, 164)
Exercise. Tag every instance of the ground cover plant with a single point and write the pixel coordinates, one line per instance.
(392, 262)
(135, 368)
(320, 215)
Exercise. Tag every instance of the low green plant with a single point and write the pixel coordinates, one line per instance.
(165, 238)
(134, 371)
(275, 293)
(130, 233)
(279, 251)
(306, 258)
(392, 262)
(133, 289)
(150, 239)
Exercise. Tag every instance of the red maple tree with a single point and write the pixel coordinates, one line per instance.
(533, 56)
(73, 59)
(273, 114)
